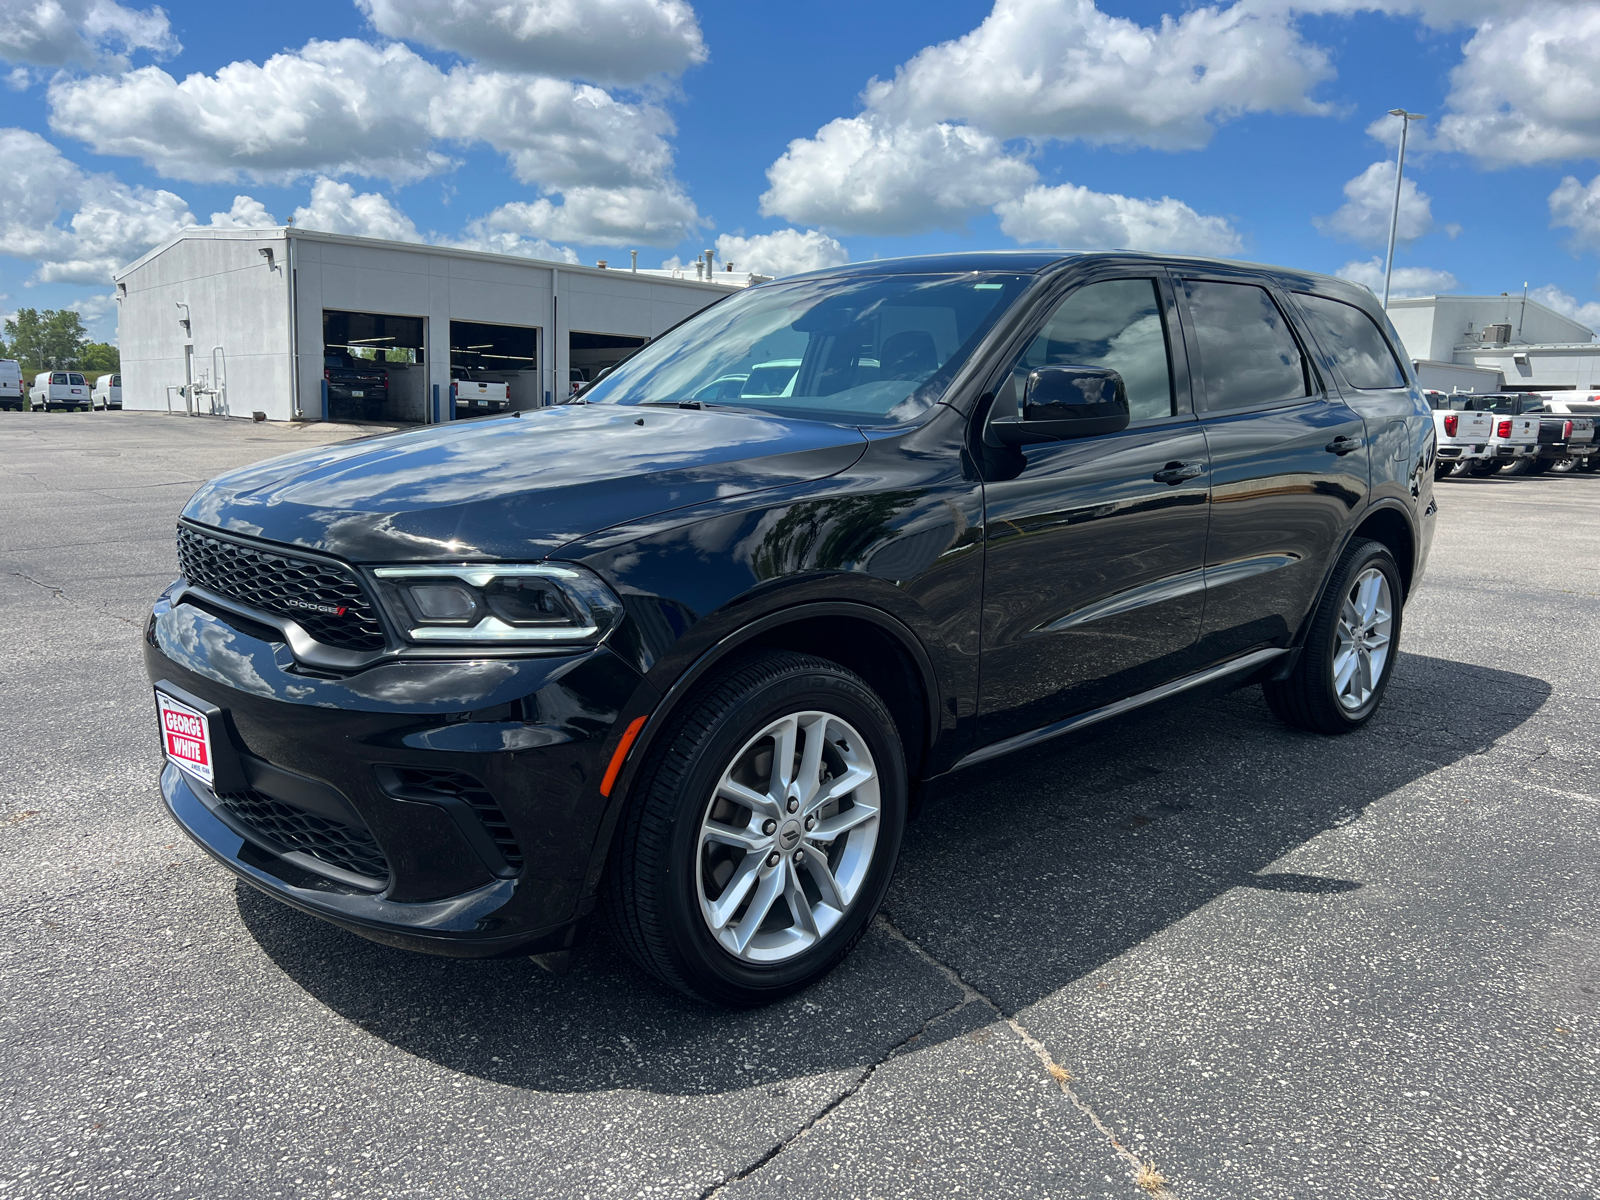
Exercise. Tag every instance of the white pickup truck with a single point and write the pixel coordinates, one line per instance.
(477, 397)
(1583, 444)
(1463, 435)
(1515, 436)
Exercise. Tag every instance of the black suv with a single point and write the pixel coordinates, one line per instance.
(686, 662)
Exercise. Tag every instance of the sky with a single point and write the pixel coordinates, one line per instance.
(789, 137)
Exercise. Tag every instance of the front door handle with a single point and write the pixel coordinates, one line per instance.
(1177, 472)
(1343, 445)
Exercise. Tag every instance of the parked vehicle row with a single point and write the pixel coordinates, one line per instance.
(1515, 432)
(56, 391)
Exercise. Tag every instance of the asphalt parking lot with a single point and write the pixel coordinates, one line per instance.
(1193, 943)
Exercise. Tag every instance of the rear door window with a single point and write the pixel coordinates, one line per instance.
(59, 377)
(1248, 353)
(75, 379)
(1354, 341)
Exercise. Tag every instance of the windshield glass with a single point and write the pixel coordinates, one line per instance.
(864, 350)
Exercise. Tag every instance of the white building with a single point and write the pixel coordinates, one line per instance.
(242, 320)
(1495, 343)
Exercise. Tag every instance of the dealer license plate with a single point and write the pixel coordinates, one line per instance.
(483, 404)
(358, 395)
(185, 737)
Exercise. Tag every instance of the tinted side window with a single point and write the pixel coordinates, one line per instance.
(58, 378)
(1247, 353)
(1355, 342)
(1116, 324)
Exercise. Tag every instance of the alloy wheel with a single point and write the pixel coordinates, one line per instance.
(788, 837)
(1362, 639)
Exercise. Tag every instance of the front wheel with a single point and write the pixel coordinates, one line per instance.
(1349, 652)
(763, 832)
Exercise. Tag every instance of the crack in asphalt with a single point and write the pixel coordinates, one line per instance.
(60, 594)
(1144, 1173)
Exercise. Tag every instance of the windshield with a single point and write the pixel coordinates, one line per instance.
(863, 350)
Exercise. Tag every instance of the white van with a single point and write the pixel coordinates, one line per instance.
(108, 391)
(11, 389)
(65, 390)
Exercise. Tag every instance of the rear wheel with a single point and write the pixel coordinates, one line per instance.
(1482, 467)
(1348, 657)
(1443, 467)
(1541, 465)
(1563, 466)
(1517, 466)
(764, 829)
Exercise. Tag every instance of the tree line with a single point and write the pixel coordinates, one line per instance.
(55, 340)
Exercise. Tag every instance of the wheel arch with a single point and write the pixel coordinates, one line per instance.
(867, 640)
(1389, 525)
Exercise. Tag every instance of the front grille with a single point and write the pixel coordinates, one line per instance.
(335, 843)
(420, 782)
(301, 589)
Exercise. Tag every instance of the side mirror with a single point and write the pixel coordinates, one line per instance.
(1066, 402)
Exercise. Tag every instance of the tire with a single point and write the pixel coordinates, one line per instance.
(1482, 468)
(669, 868)
(1541, 465)
(1517, 466)
(1312, 698)
(1563, 466)
(1442, 468)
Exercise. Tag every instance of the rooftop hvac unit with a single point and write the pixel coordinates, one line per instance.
(1497, 335)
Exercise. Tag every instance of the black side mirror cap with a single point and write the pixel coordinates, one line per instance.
(1066, 402)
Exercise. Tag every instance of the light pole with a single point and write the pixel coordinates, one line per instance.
(1394, 217)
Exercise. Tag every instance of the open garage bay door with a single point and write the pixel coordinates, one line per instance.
(372, 367)
(591, 353)
(495, 355)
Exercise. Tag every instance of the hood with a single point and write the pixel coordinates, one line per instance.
(516, 487)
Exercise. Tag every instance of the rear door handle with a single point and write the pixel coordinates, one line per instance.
(1343, 445)
(1177, 472)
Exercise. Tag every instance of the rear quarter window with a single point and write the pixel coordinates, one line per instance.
(1354, 341)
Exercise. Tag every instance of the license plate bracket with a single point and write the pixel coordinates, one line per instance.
(194, 738)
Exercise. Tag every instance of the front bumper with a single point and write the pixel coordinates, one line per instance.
(535, 734)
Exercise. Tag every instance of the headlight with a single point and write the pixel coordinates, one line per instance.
(498, 604)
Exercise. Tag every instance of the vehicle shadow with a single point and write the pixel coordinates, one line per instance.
(1023, 875)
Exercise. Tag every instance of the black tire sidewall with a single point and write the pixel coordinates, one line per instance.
(1362, 556)
(696, 954)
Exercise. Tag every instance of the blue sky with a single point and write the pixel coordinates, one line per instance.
(580, 130)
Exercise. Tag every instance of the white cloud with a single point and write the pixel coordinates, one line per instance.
(1405, 281)
(81, 33)
(336, 208)
(331, 108)
(1369, 204)
(19, 79)
(504, 241)
(608, 41)
(1074, 216)
(1577, 207)
(783, 252)
(556, 134)
(1527, 89)
(78, 227)
(866, 175)
(350, 108)
(247, 213)
(1064, 69)
(928, 151)
(599, 216)
(1553, 297)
